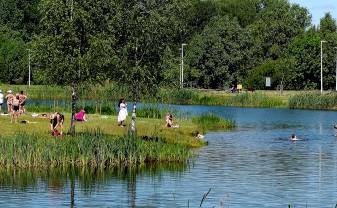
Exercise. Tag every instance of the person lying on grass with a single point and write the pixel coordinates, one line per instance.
(56, 120)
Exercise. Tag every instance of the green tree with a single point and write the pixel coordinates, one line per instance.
(278, 23)
(13, 57)
(328, 32)
(219, 53)
(327, 24)
(74, 46)
(305, 50)
(21, 15)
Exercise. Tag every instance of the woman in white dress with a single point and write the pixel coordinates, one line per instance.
(123, 112)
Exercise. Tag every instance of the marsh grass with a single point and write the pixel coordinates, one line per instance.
(314, 100)
(92, 149)
(112, 93)
(245, 99)
(211, 121)
(242, 100)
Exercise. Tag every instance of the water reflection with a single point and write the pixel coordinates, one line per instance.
(77, 183)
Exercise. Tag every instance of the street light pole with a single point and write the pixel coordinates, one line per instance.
(182, 66)
(336, 67)
(29, 72)
(323, 41)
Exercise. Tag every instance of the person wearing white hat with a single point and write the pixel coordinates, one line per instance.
(1, 100)
(9, 98)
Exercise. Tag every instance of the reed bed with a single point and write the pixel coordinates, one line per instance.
(314, 100)
(245, 99)
(92, 149)
(211, 121)
(113, 92)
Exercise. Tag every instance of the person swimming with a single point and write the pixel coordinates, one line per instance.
(294, 138)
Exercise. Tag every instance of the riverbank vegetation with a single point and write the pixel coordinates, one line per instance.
(102, 99)
(314, 100)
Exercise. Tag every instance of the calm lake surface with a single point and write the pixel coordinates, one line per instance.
(254, 165)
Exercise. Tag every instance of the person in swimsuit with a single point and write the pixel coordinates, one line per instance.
(56, 120)
(22, 98)
(9, 98)
(1, 100)
(169, 120)
(15, 108)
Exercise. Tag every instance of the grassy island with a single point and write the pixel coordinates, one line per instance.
(100, 142)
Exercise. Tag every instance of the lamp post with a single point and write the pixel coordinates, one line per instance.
(336, 67)
(182, 66)
(29, 72)
(323, 41)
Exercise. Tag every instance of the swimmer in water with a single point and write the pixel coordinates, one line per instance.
(294, 138)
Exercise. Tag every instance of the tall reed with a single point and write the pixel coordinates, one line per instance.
(314, 100)
(92, 149)
(210, 121)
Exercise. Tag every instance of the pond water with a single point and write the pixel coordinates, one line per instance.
(254, 165)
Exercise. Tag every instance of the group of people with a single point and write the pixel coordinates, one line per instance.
(15, 104)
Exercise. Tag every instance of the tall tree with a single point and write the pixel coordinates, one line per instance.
(13, 57)
(21, 15)
(219, 53)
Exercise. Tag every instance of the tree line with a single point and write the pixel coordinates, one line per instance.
(137, 42)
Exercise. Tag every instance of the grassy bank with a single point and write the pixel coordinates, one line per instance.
(314, 100)
(149, 127)
(98, 142)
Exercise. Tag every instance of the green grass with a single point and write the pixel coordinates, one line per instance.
(314, 100)
(108, 124)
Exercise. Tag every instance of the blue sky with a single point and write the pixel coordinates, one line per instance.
(318, 8)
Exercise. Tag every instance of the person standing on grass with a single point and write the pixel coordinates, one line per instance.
(15, 108)
(123, 112)
(9, 98)
(1, 100)
(22, 98)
